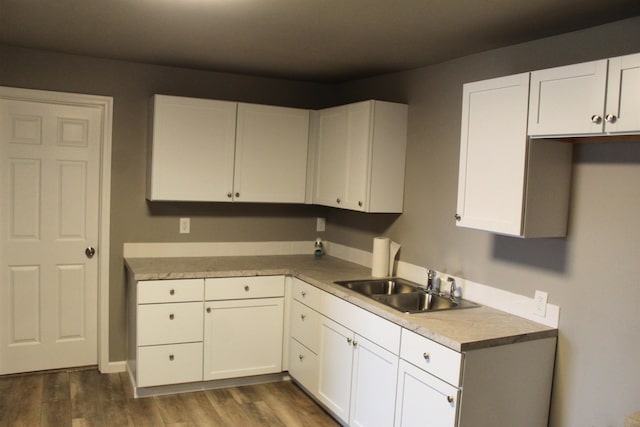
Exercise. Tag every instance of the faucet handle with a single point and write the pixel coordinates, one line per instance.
(452, 287)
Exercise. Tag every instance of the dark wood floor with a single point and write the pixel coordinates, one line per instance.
(88, 398)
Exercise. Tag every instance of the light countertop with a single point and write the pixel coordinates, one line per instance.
(460, 330)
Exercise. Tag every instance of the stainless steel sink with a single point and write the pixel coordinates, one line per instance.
(405, 296)
(390, 286)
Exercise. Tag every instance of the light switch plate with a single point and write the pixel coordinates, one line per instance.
(185, 225)
(540, 299)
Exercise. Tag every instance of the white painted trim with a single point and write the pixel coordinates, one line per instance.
(205, 249)
(115, 367)
(105, 104)
(499, 299)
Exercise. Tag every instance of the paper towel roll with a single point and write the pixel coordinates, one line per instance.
(380, 260)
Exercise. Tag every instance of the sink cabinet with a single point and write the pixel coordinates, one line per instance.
(353, 366)
(220, 151)
(359, 156)
(591, 98)
(508, 184)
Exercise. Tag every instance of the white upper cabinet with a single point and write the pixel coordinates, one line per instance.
(506, 184)
(200, 152)
(360, 156)
(592, 98)
(271, 154)
(192, 150)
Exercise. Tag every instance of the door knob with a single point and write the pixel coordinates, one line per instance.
(90, 252)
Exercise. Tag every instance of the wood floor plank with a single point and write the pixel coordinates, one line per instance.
(202, 411)
(144, 412)
(56, 413)
(116, 413)
(172, 409)
(85, 398)
(25, 404)
(55, 387)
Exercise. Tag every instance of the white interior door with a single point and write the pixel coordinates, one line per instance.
(49, 211)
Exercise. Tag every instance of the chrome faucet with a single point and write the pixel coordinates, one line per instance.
(452, 288)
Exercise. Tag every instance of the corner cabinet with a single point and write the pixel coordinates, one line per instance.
(508, 184)
(359, 156)
(587, 99)
(208, 150)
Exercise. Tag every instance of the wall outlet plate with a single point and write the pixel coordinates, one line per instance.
(321, 224)
(540, 299)
(185, 225)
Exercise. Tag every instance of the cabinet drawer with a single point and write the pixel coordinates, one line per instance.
(244, 287)
(434, 358)
(170, 323)
(307, 294)
(154, 291)
(303, 366)
(169, 364)
(305, 325)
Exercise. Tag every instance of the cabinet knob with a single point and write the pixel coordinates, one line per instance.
(246, 288)
(171, 316)
(171, 357)
(338, 200)
(237, 194)
(457, 217)
(229, 195)
(426, 356)
(596, 119)
(359, 203)
(450, 399)
(355, 343)
(208, 309)
(300, 357)
(610, 118)
(303, 293)
(303, 316)
(172, 292)
(349, 340)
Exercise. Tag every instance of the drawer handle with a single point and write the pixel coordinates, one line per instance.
(303, 316)
(208, 309)
(426, 356)
(172, 292)
(171, 357)
(450, 399)
(171, 316)
(300, 357)
(246, 288)
(304, 294)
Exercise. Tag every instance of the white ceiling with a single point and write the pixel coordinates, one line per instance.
(317, 40)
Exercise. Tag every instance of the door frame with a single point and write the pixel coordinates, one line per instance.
(105, 104)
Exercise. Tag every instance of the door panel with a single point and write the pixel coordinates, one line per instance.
(49, 213)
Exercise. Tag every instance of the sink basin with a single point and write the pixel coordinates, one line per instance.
(380, 286)
(405, 296)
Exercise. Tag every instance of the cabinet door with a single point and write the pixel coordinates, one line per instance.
(192, 149)
(358, 153)
(335, 365)
(423, 399)
(568, 100)
(493, 145)
(271, 154)
(623, 95)
(373, 384)
(331, 157)
(242, 337)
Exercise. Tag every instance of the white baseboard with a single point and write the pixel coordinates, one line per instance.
(114, 367)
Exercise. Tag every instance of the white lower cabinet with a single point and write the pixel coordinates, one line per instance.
(424, 400)
(353, 372)
(243, 326)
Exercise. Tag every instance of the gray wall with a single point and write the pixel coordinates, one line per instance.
(593, 274)
(133, 219)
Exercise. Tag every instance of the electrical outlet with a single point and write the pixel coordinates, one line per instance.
(321, 223)
(540, 299)
(185, 225)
